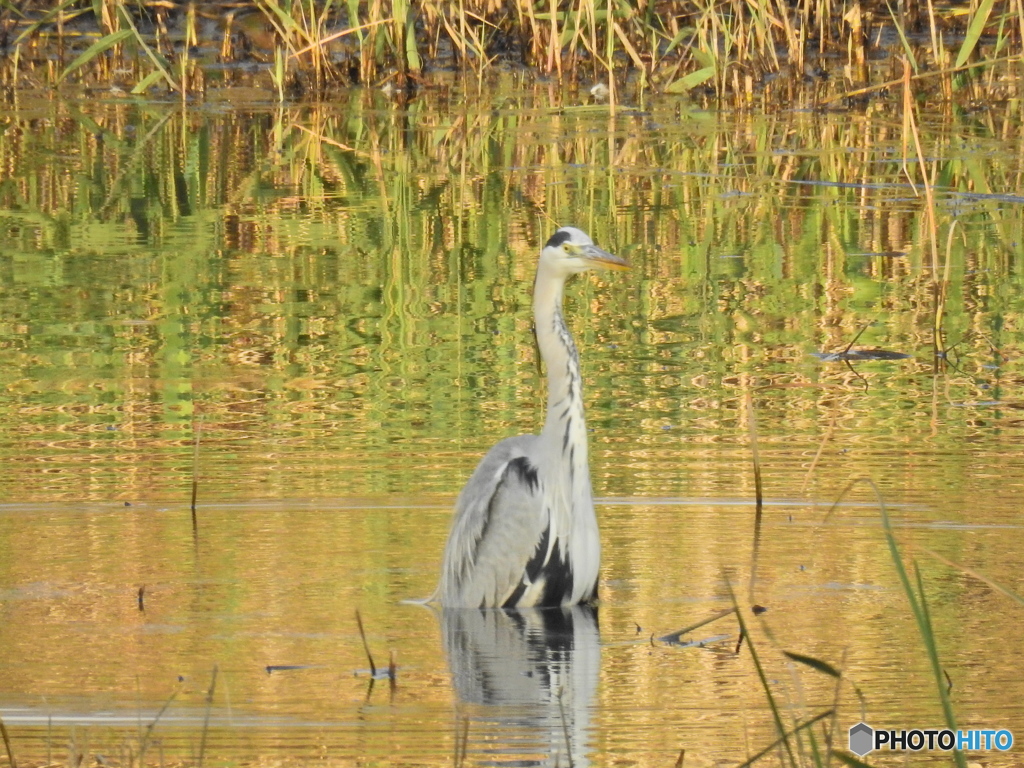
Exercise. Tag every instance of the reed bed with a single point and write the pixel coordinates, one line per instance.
(623, 49)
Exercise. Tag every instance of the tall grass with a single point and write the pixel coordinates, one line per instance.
(915, 594)
(798, 745)
(723, 48)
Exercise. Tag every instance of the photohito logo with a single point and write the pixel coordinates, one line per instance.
(864, 739)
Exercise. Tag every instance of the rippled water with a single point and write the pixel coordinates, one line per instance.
(335, 303)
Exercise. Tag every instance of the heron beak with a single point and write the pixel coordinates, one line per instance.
(602, 259)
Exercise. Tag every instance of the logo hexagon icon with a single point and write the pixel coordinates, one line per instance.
(862, 739)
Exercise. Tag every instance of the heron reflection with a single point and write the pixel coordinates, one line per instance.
(525, 680)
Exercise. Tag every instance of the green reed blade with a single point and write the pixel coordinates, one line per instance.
(46, 18)
(353, 19)
(821, 666)
(105, 43)
(145, 83)
(918, 607)
(158, 61)
(412, 54)
(974, 32)
(690, 81)
(907, 49)
(784, 736)
(288, 29)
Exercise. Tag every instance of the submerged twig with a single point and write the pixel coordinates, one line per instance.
(565, 728)
(7, 744)
(366, 646)
(392, 673)
(755, 456)
(848, 355)
(144, 741)
(739, 641)
(675, 636)
(784, 737)
(461, 744)
(846, 352)
(846, 359)
(763, 677)
(821, 449)
(197, 431)
(206, 717)
(976, 575)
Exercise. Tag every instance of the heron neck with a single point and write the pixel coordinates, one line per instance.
(564, 470)
(564, 422)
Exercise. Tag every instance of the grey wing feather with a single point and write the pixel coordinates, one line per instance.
(499, 519)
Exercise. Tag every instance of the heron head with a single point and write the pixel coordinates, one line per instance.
(571, 250)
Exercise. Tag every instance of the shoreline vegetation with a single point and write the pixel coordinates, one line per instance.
(731, 51)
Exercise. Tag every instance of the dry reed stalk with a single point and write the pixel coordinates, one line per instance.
(554, 47)
(821, 449)
(736, 40)
(931, 224)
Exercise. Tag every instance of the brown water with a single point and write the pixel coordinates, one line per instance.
(336, 301)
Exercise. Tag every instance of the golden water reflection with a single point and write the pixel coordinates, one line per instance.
(276, 585)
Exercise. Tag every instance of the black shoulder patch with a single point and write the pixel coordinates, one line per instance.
(525, 470)
(561, 236)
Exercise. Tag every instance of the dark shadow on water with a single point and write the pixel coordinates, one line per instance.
(525, 682)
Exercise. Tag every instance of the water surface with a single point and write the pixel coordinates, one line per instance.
(336, 302)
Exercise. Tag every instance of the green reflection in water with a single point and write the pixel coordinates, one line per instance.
(349, 288)
(341, 296)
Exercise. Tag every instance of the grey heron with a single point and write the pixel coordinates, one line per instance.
(524, 531)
